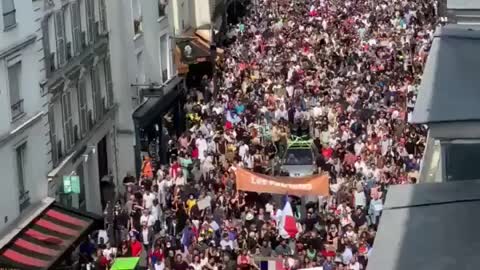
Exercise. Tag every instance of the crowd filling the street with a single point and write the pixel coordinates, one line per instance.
(338, 78)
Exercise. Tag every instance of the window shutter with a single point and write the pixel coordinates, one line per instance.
(53, 137)
(103, 17)
(60, 35)
(90, 8)
(66, 137)
(109, 83)
(76, 24)
(46, 46)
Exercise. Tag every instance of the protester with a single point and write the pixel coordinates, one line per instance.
(342, 73)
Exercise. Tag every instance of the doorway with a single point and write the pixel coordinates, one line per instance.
(105, 190)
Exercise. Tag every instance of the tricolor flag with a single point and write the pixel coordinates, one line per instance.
(288, 224)
(272, 265)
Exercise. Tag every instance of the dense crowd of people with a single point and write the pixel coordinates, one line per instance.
(344, 73)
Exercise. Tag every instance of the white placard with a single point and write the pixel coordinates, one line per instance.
(203, 203)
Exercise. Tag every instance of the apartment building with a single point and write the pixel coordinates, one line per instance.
(81, 103)
(22, 146)
(144, 75)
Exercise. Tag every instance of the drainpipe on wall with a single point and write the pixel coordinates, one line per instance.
(138, 162)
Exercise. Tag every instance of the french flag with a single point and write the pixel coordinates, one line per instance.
(272, 265)
(288, 225)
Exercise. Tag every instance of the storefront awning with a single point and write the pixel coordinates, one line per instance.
(150, 109)
(49, 236)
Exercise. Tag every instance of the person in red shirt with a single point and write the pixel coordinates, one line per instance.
(174, 168)
(327, 153)
(135, 247)
(244, 261)
(155, 255)
(102, 261)
(195, 153)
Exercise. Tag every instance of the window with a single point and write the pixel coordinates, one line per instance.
(461, 161)
(90, 8)
(162, 5)
(16, 102)
(9, 19)
(109, 83)
(96, 94)
(22, 192)
(76, 27)
(140, 68)
(183, 15)
(82, 107)
(299, 157)
(81, 196)
(68, 134)
(53, 137)
(137, 16)
(164, 57)
(103, 17)
(60, 36)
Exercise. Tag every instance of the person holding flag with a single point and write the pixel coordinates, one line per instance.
(287, 227)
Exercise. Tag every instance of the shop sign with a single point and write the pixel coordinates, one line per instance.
(67, 185)
(71, 184)
(75, 182)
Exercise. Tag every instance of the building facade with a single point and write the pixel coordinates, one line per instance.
(453, 145)
(22, 146)
(73, 74)
(81, 102)
(144, 74)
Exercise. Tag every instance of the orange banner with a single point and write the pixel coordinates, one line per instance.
(297, 186)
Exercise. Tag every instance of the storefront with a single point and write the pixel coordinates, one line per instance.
(89, 171)
(157, 119)
(47, 239)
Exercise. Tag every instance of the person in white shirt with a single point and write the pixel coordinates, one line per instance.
(148, 198)
(159, 265)
(201, 144)
(110, 252)
(163, 185)
(249, 161)
(226, 243)
(281, 113)
(360, 198)
(156, 210)
(180, 179)
(242, 150)
(147, 218)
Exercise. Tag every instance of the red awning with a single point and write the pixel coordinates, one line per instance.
(45, 239)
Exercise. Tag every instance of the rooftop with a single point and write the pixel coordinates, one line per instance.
(463, 4)
(429, 226)
(449, 88)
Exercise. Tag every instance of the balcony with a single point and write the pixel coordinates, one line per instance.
(17, 110)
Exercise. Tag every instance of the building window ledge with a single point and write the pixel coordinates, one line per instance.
(10, 27)
(138, 35)
(17, 111)
(18, 117)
